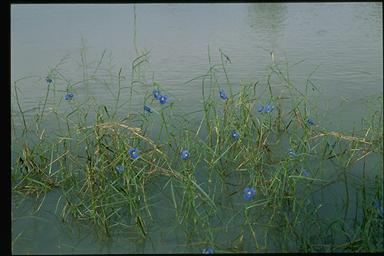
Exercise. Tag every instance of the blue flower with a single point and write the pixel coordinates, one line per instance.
(291, 153)
(222, 94)
(147, 108)
(379, 208)
(68, 96)
(268, 108)
(310, 121)
(235, 134)
(306, 173)
(156, 94)
(48, 79)
(260, 107)
(133, 153)
(119, 168)
(184, 154)
(163, 99)
(249, 193)
(208, 251)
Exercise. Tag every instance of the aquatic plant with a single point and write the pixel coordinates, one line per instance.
(249, 193)
(310, 121)
(148, 109)
(163, 99)
(306, 173)
(235, 134)
(156, 94)
(222, 94)
(291, 152)
(133, 153)
(208, 251)
(85, 161)
(260, 107)
(184, 154)
(120, 168)
(268, 108)
(68, 96)
(379, 207)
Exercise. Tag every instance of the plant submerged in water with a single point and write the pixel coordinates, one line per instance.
(120, 196)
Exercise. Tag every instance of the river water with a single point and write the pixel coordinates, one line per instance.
(342, 41)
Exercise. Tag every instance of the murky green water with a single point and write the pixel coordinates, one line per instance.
(343, 41)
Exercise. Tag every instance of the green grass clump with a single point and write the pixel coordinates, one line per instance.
(320, 198)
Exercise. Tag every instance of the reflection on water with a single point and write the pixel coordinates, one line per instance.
(267, 18)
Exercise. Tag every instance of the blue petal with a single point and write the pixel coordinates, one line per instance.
(260, 108)
(163, 99)
(133, 153)
(156, 94)
(268, 108)
(184, 154)
(68, 96)
(235, 134)
(249, 193)
(310, 121)
(222, 94)
(208, 251)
